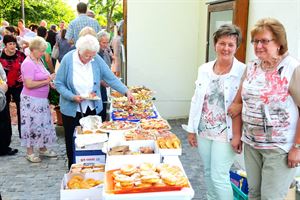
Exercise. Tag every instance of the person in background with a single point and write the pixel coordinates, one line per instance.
(11, 60)
(51, 38)
(117, 50)
(21, 28)
(37, 126)
(270, 121)
(46, 58)
(79, 23)
(106, 55)
(91, 14)
(210, 126)
(43, 23)
(4, 23)
(61, 27)
(3, 90)
(33, 27)
(5, 125)
(80, 74)
(63, 45)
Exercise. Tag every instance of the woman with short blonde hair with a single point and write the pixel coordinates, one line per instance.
(37, 129)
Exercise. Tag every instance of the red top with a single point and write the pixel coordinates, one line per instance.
(12, 67)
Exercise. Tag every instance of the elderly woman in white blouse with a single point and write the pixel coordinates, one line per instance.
(80, 74)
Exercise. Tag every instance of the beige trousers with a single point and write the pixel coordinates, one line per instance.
(268, 174)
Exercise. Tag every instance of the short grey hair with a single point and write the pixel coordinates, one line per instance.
(228, 30)
(102, 34)
(87, 42)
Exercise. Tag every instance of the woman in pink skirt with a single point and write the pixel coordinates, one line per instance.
(37, 129)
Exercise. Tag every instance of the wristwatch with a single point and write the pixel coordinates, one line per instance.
(297, 146)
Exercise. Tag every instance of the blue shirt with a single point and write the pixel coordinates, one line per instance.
(65, 86)
(78, 24)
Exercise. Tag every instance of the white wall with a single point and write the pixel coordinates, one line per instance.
(286, 11)
(166, 44)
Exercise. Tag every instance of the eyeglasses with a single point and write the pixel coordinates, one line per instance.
(262, 41)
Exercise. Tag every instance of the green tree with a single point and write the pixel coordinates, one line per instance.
(107, 12)
(53, 11)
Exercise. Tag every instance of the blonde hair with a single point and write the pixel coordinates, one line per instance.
(277, 30)
(38, 43)
(87, 31)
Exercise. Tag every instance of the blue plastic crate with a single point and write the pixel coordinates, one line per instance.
(238, 194)
(239, 181)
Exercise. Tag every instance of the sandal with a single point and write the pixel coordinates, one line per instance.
(32, 158)
(48, 153)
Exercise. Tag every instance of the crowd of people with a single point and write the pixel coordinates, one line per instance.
(34, 60)
(256, 104)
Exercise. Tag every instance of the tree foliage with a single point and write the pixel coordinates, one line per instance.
(107, 12)
(53, 11)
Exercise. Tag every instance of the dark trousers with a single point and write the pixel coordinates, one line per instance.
(69, 124)
(5, 130)
(15, 94)
(104, 100)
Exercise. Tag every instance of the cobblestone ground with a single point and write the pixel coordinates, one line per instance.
(21, 180)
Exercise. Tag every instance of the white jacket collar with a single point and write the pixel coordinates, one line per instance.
(233, 72)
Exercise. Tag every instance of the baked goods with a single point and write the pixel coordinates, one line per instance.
(87, 168)
(124, 150)
(119, 150)
(78, 182)
(128, 170)
(141, 92)
(146, 150)
(91, 96)
(140, 134)
(132, 178)
(158, 124)
(133, 115)
(117, 125)
(115, 94)
(168, 141)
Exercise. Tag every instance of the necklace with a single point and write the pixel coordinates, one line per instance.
(223, 71)
(269, 66)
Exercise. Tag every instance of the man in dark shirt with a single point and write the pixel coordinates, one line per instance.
(51, 38)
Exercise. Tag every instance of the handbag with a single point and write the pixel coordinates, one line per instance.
(55, 52)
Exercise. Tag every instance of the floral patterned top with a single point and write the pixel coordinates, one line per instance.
(213, 118)
(269, 112)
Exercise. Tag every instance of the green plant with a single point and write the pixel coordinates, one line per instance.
(53, 97)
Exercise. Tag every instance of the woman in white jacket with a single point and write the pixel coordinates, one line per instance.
(210, 124)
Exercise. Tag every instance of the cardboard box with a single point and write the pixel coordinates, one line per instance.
(90, 156)
(95, 193)
(116, 161)
(291, 194)
(90, 141)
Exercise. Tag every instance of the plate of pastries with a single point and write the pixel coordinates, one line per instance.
(158, 124)
(146, 177)
(108, 126)
(78, 181)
